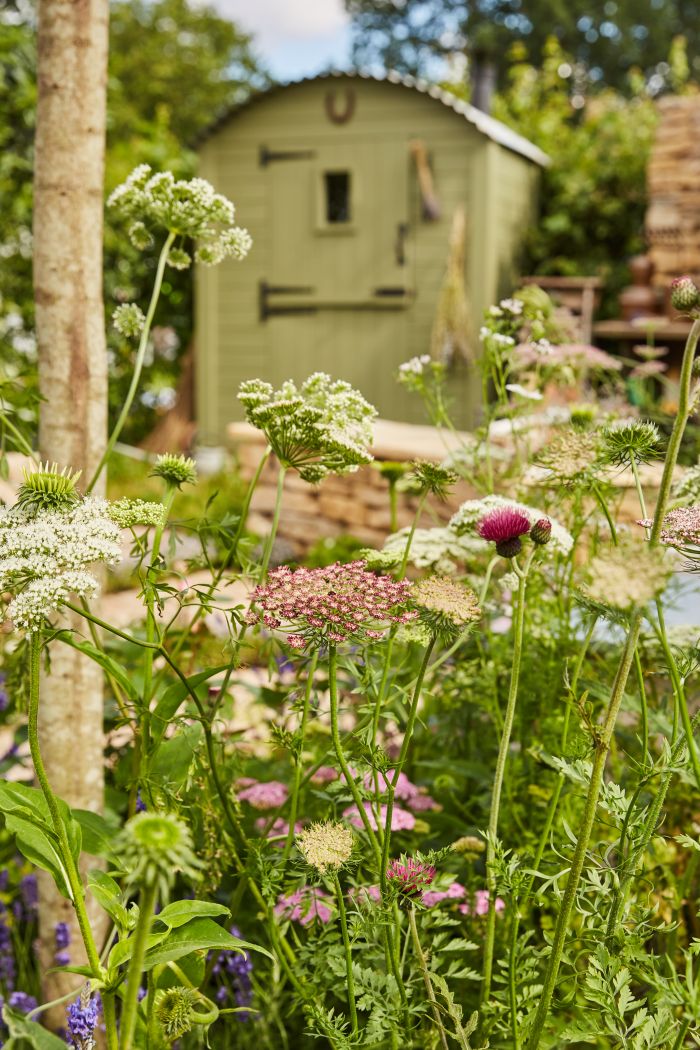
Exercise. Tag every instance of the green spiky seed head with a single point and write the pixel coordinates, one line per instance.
(175, 469)
(429, 477)
(639, 440)
(174, 1010)
(583, 416)
(154, 847)
(684, 294)
(48, 489)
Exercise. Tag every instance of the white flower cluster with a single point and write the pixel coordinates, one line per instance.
(416, 366)
(129, 319)
(44, 556)
(127, 513)
(324, 427)
(497, 338)
(440, 549)
(471, 512)
(187, 207)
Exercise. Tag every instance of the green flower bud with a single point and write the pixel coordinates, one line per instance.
(684, 294)
(179, 259)
(140, 236)
(175, 1010)
(48, 488)
(129, 320)
(175, 469)
(153, 848)
(541, 532)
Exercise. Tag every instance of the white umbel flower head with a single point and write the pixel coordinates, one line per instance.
(326, 846)
(45, 555)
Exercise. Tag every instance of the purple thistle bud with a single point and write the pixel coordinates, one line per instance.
(410, 876)
(541, 532)
(684, 293)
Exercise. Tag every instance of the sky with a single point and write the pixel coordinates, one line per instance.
(295, 38)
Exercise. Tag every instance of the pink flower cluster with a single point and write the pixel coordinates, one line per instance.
(401, 819)
(269, 794)
(411, 877)
(335, 603)
(304, 906)
(430, 898)
(481, 904)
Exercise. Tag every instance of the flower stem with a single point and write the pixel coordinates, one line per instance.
(340, 754)
(298, 760)
(138, 363)
(391, 789)
(269, 542)
(604, 737)
(423, 966)
(69, 865)
(503, 748)
(348, 954)
(147, 904)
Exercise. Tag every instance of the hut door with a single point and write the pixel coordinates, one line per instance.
(338, 274)
(340, 235)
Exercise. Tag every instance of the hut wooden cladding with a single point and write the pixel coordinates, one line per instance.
(349, 185)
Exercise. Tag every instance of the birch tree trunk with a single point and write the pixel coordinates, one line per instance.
(68, 216)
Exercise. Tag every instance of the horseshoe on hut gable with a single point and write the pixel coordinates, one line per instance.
(333, 112)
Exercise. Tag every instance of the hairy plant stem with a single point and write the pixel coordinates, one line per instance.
(269, 542)
(147, 906)
(138, 363)
(348, 953)
(503, 747)
(70, 867)
(423, 966)
(151, 630)
(604, 737)
(298, 759)
(405, 744)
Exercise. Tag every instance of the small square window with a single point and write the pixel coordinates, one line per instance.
(337, 197)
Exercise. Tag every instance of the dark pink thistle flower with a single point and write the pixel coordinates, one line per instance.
(504, 526)
(410, 877)
(332, 604)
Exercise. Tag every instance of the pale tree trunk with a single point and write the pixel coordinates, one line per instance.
(68, 210)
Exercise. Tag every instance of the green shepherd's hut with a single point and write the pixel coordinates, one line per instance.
(364, 196)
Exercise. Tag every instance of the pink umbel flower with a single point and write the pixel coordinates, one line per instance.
(268, 795)
(454, 892)
(481, 904)
(401, 819)
(504, 527)
(324, 775)
(335, 603)
(680, 528)
(304, 906)
(411, 877)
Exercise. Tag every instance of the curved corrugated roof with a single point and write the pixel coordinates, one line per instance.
(493, 129)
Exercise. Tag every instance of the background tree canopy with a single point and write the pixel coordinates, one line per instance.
(609, 37)
(172, 66)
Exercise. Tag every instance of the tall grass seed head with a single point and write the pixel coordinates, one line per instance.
(175, 469)
(638, 440)
(326, 846)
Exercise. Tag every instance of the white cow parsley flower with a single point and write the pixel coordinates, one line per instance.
(45, 556)
(189, 208)
(323, 427)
